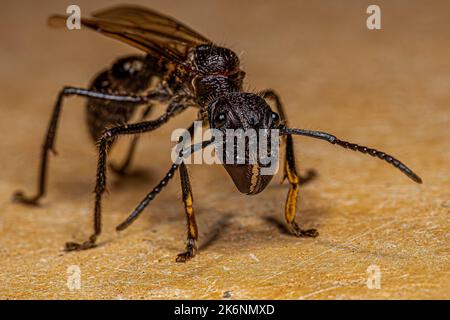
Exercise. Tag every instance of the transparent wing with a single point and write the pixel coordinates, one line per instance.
(142, 28)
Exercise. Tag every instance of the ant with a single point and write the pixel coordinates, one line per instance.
(191, 71)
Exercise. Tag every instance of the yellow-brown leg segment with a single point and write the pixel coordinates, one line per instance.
(290, 172)
(291, 201)
(192, 232)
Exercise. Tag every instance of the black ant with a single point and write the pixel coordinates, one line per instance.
(191, 72)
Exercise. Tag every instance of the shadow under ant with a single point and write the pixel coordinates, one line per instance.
(216, 230)
(309, 176)
(132, 179)
(225, 221)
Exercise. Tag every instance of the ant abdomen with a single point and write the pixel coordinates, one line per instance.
(129, 75)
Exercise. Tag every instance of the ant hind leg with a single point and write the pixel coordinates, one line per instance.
(49, 140)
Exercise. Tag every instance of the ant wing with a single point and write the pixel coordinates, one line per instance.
(142, 28)
(153, 21)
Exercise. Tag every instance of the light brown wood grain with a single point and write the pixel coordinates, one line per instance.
(387, 89)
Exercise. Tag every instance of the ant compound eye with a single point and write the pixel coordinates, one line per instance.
(275, 118)
(220, 119)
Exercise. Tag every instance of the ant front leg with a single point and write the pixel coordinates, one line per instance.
(188, 199)
(289, 148)
(290, 172)
(192, 230)
(49, 140)
(104, 142)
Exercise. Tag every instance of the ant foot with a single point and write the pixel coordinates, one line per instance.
(20, 197)
(191, 250)
(296, 231)
(74, 246)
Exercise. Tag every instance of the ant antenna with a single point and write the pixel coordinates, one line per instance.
(355, 147)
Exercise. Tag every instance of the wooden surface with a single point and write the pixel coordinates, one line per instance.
(387, 89)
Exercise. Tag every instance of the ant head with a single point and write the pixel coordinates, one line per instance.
(241, 110)
(244, 122)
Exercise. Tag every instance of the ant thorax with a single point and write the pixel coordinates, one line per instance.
(217, 72)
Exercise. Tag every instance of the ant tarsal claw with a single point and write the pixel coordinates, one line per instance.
(191, 250)
(298, 232)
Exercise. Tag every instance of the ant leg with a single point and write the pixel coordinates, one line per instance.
(310, 173)
(192, 233)
(151, 195)
(291, 200)
(49, 140)
(104, 142)
(191, 247)
(290, 172)
(148, 198)
(122, 169)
